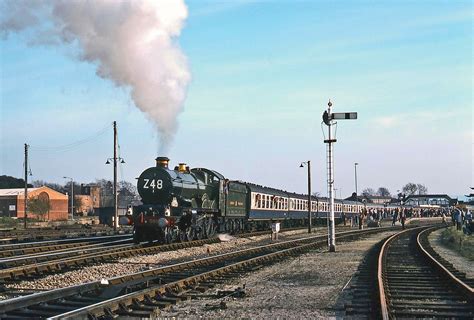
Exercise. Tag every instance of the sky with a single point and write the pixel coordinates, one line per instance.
(261, 75)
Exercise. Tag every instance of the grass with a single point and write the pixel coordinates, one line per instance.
(10, 223)
(459, 242)
(7, 223)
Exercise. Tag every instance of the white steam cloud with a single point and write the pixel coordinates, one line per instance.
(132, 42)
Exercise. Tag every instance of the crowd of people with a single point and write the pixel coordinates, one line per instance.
(461, 218)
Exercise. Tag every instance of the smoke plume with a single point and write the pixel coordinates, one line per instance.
(132, 43)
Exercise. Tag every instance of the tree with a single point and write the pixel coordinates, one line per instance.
(410, 188)
(52, 185)
(127, 189)
(8, 182)
(383, 192)
(367, 192)
(77, 203)
(422, 189)
(39, 205)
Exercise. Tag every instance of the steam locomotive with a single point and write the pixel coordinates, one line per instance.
(185, 204)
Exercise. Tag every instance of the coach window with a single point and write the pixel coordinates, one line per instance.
(268, 202)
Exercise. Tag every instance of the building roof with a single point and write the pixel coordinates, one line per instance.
(445, 196)
(20, 192)
(15, 191)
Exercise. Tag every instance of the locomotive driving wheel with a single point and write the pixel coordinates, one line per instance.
(190, 233)
(210, 228)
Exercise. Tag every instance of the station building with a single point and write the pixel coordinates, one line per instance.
(431, 200)
(12, 203)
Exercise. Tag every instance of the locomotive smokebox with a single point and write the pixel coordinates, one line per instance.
(162, 162)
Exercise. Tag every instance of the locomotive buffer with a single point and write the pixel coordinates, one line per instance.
(328, 118)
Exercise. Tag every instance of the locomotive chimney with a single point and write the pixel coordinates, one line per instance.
(162, 162)
(182, 167)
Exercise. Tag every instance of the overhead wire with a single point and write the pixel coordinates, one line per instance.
(73, 145)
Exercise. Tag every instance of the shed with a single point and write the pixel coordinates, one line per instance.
(12, 203)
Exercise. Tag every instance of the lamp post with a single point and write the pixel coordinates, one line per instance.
(355, 174)
(72, 196)
(308, 164)
(115, 159)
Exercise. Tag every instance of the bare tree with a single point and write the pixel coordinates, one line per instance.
(367, 192)
(422, 189)
(78, 203)
(410, 189)
(55, 186)
(383, 192)
(127, 189)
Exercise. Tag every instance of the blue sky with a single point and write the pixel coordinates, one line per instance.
(262, 74)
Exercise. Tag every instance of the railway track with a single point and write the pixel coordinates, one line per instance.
(55, 254)
(142, 293)
(20, 236)
(18, 249)
(51, 259)
(85, 257)
(414, 284)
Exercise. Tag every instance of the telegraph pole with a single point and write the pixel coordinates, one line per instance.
(328, 118)
(26, 185)
(115, 178)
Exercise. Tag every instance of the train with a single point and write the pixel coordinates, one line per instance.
(183, 204)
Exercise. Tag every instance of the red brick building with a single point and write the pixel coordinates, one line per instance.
(12, 203)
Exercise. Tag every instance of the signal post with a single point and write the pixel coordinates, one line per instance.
(328, 119)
